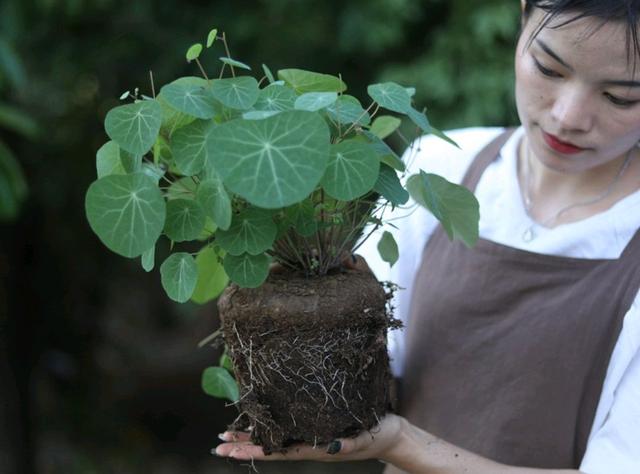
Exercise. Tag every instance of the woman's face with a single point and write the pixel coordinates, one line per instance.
(576, 94)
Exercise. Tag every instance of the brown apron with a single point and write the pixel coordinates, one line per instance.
(507, 350)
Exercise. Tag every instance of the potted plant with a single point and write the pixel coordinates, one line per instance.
(238, 174)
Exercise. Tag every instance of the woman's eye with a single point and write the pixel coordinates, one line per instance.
(546, 71)
(618, 101)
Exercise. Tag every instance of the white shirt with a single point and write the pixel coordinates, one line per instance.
(614, 442)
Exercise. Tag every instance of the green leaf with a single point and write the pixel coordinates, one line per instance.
(212, 279)
(248, 271)
(127, 212)
(388, 248)
(148, 259)
(130, 163)
(252, 231)
(259, 114)
(420, 119)
(389, 186)
(194, 52)
(225, 361)
(185, 220)
(189, 147)
(215, 201)
(212, 37)
(217, 382)
(352, 170)
(234, 63)
(172, 119)
(179, 275)
(184, 188)
(108, 160)
(238, 93)
(306, 81)
(274, 162)
(386, 154)
(314, 101)
(302, 217)
(347, 110)
(190, 97)
(453, 205)
(275, 98)
(134, 127)
(384, 126)
(391, 96)
(268, 73)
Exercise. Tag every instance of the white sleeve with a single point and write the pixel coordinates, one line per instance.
(614, 444)
(414, 224)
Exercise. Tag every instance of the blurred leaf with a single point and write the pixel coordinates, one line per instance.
(194, 52)
(13, 187)
(388, 248)
(217, 382)
(212, 279)
(14, 119)
(234, 63)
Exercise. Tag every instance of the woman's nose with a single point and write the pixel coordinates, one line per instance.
(572, 110)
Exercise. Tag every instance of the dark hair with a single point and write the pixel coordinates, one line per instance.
(621, 11)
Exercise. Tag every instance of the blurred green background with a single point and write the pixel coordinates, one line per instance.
(99, 371)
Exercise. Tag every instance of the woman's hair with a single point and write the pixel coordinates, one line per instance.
(626, 12)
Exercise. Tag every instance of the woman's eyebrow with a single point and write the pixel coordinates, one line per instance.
(611, 82)
(551, 53)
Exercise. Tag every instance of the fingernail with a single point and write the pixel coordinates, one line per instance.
(214, 452)
(222, 436)
(334, 447)
(354, 258)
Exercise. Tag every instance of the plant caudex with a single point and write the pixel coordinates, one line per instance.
(289, 170)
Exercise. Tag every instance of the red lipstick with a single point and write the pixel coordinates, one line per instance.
(558, 145)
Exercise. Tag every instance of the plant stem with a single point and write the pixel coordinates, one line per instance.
(202, 69)
(153, 87)
(226, 48)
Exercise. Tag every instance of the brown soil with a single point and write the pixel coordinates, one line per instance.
(309, 355)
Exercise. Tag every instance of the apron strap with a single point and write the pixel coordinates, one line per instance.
(483, 159)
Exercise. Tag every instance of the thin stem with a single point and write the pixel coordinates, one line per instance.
(153, 87)
(202, 69)
(355, 123)
(226, 48)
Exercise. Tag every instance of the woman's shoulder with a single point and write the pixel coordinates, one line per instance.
(435, 155)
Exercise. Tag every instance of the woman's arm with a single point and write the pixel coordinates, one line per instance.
(395, 441)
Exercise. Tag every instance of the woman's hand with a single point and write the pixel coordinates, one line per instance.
(379, 443)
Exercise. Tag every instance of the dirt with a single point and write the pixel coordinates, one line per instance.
(309, 355)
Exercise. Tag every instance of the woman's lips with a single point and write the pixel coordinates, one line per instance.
(558, 145)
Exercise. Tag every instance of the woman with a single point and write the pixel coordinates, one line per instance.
(523, 353)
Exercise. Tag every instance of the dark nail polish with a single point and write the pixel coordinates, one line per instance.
(353, 258)
(334, 447)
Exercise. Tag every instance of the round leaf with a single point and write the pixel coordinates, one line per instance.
(252, 231)
(453, 205)
(234, 63)
(188, 146)
(391, 96)
(352, 170)
(134, 127)
(212, 37)
(215, 201)
(389, 186)
(275, 98)
(238, 93)
(211, 276)
(191, 98)
(218, 382)
(347, 109)
(384, 126)
(179, 275)
(314, 101)
(307, 81)
(185, 220)
(194, 52)
(248, 271)
(127, 212)
(388, 248)
(108, 160)
(274, 162)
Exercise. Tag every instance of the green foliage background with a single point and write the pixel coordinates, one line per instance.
(106, 370)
